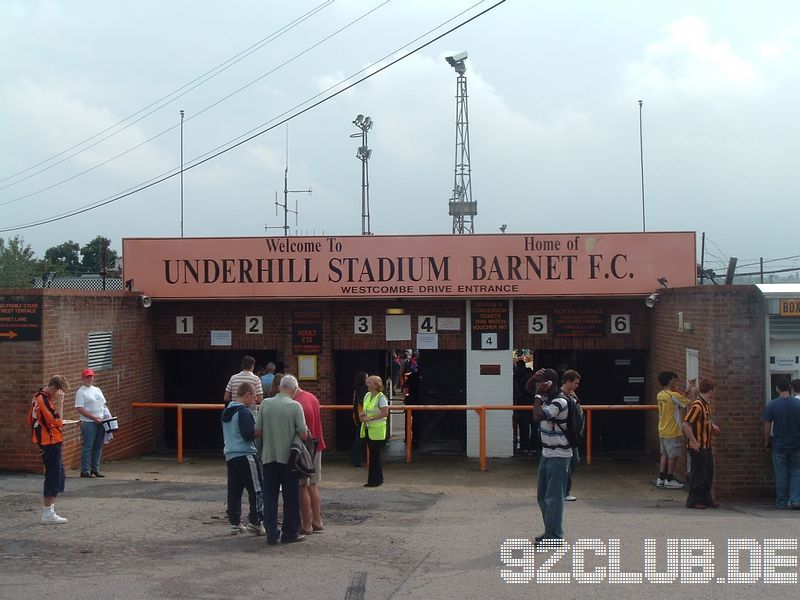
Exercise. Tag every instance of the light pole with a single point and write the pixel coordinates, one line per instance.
(641, 162)
(363, 154)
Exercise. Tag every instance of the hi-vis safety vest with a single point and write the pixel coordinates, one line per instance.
(376, 428)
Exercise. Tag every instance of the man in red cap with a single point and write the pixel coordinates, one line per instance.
(91, 405)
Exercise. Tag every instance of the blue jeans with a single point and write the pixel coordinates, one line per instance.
(93, 436)
(787, 478)
(552, 487)
(277, 478)
(573, 462)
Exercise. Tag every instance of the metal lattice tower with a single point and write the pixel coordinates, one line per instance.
(462, 208)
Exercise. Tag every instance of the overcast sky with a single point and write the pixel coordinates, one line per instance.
(553, 104)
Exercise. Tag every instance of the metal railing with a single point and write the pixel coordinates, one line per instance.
(409, 409)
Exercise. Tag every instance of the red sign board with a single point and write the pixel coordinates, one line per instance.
(467, 266)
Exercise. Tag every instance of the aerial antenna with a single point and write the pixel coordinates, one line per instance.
(286, 192)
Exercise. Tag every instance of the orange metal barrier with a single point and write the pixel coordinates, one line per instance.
(409, 409)
(590, 408)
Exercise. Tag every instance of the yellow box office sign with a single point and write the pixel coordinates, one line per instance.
(790, 307)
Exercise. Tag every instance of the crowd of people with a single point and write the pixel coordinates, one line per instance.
(264, 431)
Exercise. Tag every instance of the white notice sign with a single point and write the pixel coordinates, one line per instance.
(784, 362)
(427, 341)
(448, 323)
(221, 338)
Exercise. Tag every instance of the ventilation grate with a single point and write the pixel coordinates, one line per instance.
(100, 346)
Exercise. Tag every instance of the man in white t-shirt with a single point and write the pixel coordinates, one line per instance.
(91, 406)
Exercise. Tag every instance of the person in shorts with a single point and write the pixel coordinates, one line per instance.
(670, 433)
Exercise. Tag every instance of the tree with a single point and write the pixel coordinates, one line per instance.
(92, 256)
(18, 264)
(64, 259)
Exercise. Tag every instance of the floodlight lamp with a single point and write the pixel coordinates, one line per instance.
(368, 122)
(358, 120)
(456, 58)
(651, 300)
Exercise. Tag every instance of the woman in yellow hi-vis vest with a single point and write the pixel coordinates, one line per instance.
(373, 427)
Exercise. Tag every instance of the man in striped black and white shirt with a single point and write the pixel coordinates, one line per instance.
(246, 375)
(551, 410)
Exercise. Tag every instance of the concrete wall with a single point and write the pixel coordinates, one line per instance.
(68, 316)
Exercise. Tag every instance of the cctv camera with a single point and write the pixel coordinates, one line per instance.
(147, 301)
(651, 300)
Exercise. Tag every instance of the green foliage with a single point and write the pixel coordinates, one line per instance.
(18, 265)
(64, 259)
(92, 255)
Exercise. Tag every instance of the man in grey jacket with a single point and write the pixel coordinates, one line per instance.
(279, 419)
(238, 431)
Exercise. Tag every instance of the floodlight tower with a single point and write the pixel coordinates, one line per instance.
(462, 208)
(363, 154)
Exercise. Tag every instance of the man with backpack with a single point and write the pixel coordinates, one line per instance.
(570, 381)
(552, 410)
(277, 423)
(46, 424)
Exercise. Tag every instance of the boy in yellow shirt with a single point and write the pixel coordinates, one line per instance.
(670, 434)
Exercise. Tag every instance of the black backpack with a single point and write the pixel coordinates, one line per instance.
(574, 424)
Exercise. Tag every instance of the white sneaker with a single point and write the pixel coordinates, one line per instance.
(237, 529)
(673, 484)
(256, 529)
(660, 483)
(52, 519)
(570, 498)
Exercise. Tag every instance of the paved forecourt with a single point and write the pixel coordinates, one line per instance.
(154, 529)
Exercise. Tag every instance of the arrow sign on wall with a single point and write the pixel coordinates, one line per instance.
(9, 334)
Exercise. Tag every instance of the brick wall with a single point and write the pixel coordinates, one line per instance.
(728, 333)
(638, 338)
(338, 332)
(68, 316)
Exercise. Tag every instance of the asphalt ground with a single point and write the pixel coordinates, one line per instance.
(156, 529)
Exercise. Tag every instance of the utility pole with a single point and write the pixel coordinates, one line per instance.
(363, 154)
(286, 192)
(103, 260)
(461, 207)
(641, 162)
(181, 174)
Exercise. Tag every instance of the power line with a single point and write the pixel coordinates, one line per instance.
(196, 114)
(213, 153)
(208, 75)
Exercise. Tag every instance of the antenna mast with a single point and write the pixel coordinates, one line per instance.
(286, 192)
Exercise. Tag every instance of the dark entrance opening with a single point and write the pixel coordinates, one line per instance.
(607, 377)
(346, 364)
(443, 380)
(200, 376)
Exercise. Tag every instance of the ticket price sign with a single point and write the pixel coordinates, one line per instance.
(307, 331)
(490, 325)
(20, 319)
